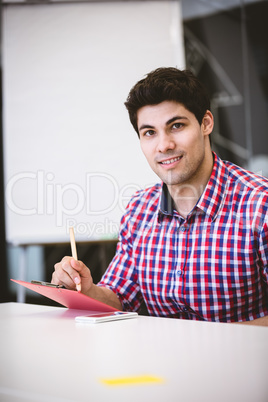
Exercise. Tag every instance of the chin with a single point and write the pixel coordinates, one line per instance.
(171, 179)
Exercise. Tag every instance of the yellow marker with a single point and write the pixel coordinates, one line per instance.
(138, 380)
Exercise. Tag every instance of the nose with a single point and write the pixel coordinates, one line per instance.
(165, 143)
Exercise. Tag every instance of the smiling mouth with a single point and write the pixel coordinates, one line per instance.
(170, 161)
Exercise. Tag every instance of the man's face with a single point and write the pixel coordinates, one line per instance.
(175, 145)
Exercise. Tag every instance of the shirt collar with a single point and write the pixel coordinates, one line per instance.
(211, 200)
(212, 197)
(166, 202)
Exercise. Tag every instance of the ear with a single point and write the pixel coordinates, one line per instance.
(207, 123)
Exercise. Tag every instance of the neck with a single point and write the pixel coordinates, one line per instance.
(185, 201)
(186, 195)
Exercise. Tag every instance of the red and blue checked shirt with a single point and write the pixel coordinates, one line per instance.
(213, 265)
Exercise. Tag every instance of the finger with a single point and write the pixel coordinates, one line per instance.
(76, 264)
(64, 274)
(60, 277)
(71, 267)
(81, 268)
(70, 272)
(66, 258)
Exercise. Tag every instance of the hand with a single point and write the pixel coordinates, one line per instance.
(70, 272)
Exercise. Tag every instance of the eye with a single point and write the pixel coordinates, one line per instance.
(148, 133)
(177, 126)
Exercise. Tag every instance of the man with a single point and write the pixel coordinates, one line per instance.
(196, 245)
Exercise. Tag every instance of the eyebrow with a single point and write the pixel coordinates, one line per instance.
(167, 123)
(176, 118)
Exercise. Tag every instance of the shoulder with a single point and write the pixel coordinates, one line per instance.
(146, 198)
(248, 192)
(140, 211)
(142, 207)
(249, 181)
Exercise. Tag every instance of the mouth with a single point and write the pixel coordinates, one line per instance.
(170, 161)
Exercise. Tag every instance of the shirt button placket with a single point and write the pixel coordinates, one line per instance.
(182, 238)
(183, 242)
(181, 230)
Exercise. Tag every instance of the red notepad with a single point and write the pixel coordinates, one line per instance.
(68, 298)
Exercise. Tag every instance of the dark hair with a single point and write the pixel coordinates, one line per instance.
(168, 84)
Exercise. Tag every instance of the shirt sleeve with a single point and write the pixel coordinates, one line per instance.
(121, 276)
(263, 249)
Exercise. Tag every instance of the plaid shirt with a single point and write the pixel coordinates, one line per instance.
(213, 265)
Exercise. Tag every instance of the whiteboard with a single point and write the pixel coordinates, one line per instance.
(71, 156)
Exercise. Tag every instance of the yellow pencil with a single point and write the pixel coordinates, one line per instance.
(74, 253)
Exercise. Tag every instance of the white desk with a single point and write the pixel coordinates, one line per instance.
(46, 356)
